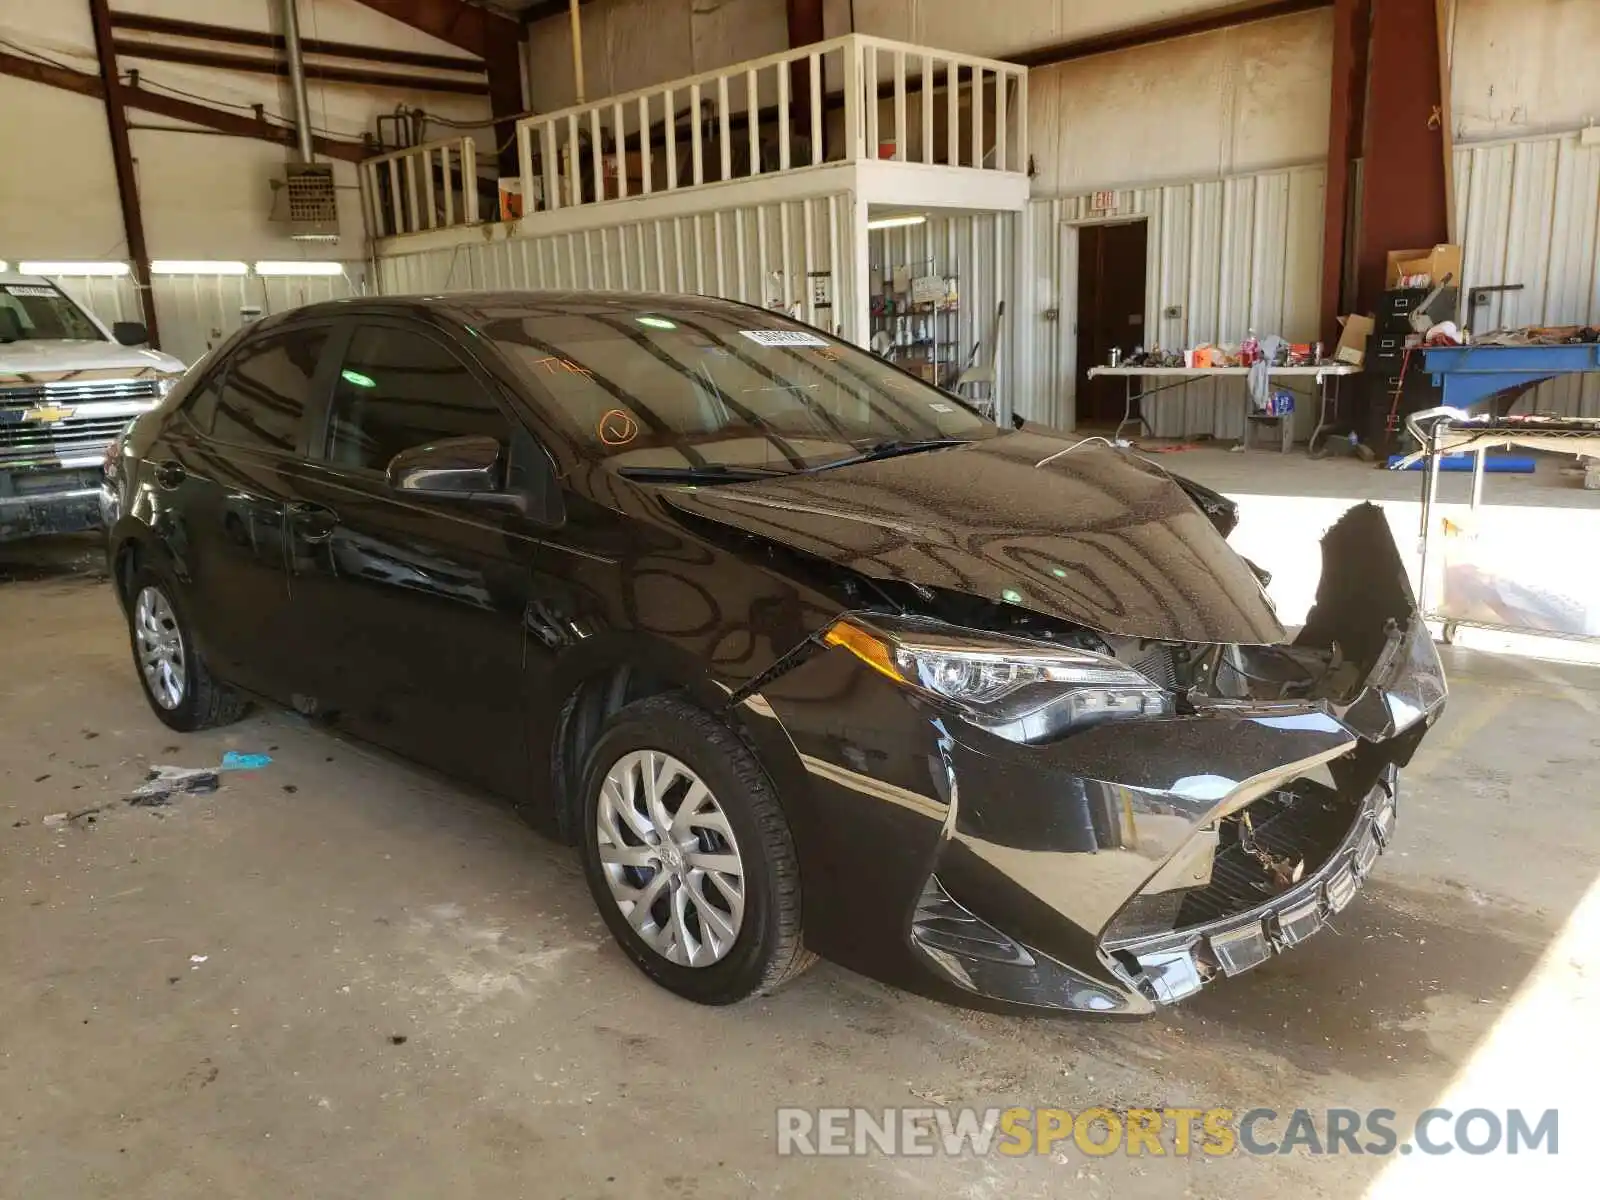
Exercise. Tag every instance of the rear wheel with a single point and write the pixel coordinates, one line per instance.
(688, 854)
(180, 688)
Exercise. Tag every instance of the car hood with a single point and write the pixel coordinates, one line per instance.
(47, 361)
(1097, 536)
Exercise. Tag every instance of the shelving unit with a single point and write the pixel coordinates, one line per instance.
(925, 338)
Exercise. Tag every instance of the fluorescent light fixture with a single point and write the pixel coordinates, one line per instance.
(299, 268)
(4, 265)
(196, 266)
(73, 268)
(898, 222)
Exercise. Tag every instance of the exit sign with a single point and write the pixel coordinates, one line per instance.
(1102, 202)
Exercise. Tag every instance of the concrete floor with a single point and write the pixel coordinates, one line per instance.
(405, 992)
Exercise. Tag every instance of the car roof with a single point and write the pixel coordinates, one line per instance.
(31, 280)
(468, 306)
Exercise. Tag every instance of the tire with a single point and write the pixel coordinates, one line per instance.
(199, 700)
(736, 821)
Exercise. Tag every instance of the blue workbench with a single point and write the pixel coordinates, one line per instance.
(1471, 374)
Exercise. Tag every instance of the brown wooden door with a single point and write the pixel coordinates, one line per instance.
(1111, 297)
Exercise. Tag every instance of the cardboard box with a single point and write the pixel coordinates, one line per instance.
(1435, 264)
(1352, 347)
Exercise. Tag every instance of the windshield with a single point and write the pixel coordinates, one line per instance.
(703, 387)
(37, 312)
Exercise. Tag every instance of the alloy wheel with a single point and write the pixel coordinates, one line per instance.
(160, 647)
(670, 858)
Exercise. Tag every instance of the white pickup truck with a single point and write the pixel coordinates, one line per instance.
(68, 386)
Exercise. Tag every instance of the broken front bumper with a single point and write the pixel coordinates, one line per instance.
(1168, 967)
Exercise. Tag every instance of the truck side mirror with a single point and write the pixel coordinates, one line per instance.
(131, 333)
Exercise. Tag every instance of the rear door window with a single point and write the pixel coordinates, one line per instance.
(400, 388)
(265, 390)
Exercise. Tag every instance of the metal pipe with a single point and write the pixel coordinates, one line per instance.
(297, 79)
(577, 47)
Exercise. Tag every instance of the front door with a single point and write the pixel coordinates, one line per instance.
(224, 474)
(1111, 308)
(412, 609)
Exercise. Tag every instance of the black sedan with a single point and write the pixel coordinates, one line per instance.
(805, 655)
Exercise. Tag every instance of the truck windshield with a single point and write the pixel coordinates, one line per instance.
(36, 312)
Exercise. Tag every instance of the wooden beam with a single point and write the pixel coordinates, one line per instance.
(261, 65)
(1344, 142)
(122, 164)
(1223, 17)
(236, 123)
(57, 77)
(203, 31)
(216, 119)
(1403, 184)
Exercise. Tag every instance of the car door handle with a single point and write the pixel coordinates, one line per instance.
(169, 474)
(313, 522)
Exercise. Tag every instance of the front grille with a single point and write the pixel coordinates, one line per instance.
(79, 393)
(1296, 830)
(99, 410)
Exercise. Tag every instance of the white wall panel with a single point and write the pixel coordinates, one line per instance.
(202, 196)
(1528, 215)
(1233, 255)
(760, 254)
(198, 311)
(1522, 67)
(1245, 99)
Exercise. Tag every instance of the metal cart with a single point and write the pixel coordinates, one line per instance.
(1541, 609)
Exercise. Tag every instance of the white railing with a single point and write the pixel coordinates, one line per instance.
(780, 113)
(430, 186)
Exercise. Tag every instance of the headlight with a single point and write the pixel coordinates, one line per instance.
(1017, 689)
(165, 384)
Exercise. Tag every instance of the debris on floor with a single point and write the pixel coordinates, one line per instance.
(162, 782)
(233, 760)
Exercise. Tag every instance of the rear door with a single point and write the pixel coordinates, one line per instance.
(225, 471)
(411, 609)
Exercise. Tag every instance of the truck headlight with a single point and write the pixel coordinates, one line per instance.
(1020, 690)
(165, 384)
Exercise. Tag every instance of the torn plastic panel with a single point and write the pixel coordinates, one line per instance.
(1134, 859)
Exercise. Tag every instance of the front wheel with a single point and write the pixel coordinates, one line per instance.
(688, 854)
(180, 688)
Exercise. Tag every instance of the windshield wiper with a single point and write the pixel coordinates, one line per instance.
(709, 473)
(890, 449)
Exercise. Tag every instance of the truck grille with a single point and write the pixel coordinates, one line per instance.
(99, 409)
(79, 393)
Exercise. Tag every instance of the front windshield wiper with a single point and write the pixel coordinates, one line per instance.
(708, 473)
(890, 449)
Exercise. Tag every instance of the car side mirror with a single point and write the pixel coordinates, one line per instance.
(460, 468)
(130, 333)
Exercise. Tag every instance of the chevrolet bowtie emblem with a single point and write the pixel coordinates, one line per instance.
(48, 414)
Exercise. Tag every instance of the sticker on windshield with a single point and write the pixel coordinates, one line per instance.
(26, 289)
(617, 427)
(783, 337)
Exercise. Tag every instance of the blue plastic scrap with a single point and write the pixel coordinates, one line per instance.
(235, 761)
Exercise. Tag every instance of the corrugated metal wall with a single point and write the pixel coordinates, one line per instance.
(197, 311)
(773, 255)
(1230, 255)
(1527, 214)
(981, 250)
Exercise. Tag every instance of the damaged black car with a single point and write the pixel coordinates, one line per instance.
(803, 654)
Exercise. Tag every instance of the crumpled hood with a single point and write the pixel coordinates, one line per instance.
(45, 361)
(1097, 537)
